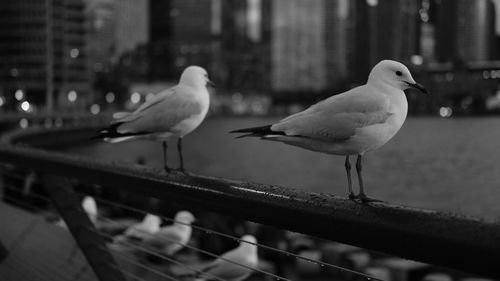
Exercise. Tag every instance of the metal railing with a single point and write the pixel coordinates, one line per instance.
(443, 239)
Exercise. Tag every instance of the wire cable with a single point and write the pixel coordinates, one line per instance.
(227, 236)
(157, 272)
(320, 263)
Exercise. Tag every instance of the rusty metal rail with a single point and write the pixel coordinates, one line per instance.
(443, 239)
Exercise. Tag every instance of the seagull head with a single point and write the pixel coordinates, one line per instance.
(184, 217)
(249, 238)
(394, 74)
(90, 206)
(195, 76)
(251, 248)
(152, 221)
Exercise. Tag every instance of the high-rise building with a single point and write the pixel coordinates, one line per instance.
(43, 51)
(132, 25)
(101, 20)
(337, 45)
(245, 51)
(388, 29)
(311, 43)
(465, 30)
(398, 30)
(298, 45)
(180, 35)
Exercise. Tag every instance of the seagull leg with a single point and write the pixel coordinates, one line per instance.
(349, 181)
(165, 166)
(362, 194)
(181, 159)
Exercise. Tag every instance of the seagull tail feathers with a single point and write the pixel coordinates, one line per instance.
(261, 131)
(110, 134)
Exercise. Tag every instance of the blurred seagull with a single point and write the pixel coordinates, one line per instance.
(229, 265)
(170, 239)
(140, 231)
(89, 206)
(174, 112)
(351, 123)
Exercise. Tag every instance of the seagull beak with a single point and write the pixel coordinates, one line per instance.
(212, 84)
(418, 87)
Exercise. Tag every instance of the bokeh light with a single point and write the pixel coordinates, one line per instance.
(72, 96)
(135, 98)
(95, 109)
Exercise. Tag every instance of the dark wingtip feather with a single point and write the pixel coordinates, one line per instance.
(260, 129)
(257, 132)
(248, 135)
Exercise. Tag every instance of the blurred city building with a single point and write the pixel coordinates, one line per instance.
(289, 50)
(102, 17)
(465, 30)
(43, 57)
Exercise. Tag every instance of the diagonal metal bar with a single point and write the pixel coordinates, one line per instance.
(449, 240)
(86, 236)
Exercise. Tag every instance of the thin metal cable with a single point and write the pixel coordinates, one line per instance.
(286, 253)
(320, 263)
(205, 252)
(157, 254)
(157, 272)
(129, 244)
(187, 246)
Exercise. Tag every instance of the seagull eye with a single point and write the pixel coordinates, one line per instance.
(399, 73)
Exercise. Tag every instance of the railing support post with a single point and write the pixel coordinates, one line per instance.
(83, 230)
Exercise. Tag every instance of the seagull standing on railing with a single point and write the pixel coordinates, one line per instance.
(351, 123)
(174, 112)
(140, 231)
(235, 265)
(172, 238)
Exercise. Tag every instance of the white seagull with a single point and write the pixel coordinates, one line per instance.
(351, 123)
(89, 206)
(140, 231)
(229, 265)
(174, 112)
(170, 239)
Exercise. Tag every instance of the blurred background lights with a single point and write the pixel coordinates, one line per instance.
(372, 3)
(110, 97)
(445, 111)
(58, 122)
(95, 109)
(2, 101)
(417, 60)
(19, 94)
(72, 95)
(23, 123)
(25, 106)
(74, 53)
(14, 72)
(135, 98)
(47, 123)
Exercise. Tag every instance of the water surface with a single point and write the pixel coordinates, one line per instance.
(442, 164)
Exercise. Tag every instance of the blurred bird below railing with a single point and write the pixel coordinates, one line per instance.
(448, 240)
